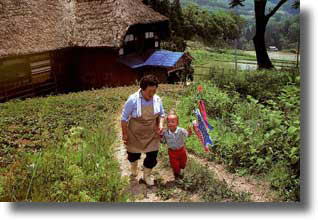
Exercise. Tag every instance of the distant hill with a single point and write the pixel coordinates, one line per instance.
(282, 30)
(246, 11)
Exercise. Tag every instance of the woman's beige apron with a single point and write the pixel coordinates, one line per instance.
(142, 136)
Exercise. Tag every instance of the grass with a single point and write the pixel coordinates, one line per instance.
(59, 148)
(210, 56)
(198, 180)
(63, 144)
(83, 169)
(252, 137)
(256, 119)
(33, 124)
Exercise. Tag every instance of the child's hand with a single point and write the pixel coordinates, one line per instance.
(159, 131)
(162, 139)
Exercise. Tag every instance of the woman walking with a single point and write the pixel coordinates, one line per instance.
(142, 123)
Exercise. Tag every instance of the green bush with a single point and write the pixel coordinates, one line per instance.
(284, 181)
(249, 136)
(262, 85)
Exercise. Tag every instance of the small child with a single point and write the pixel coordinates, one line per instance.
(175, 138)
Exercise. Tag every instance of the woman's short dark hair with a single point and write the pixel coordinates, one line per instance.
(148, 80)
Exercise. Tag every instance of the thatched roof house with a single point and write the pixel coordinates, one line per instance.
(69, 45)
(32, 26)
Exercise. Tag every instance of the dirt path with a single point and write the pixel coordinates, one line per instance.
(259, 191)
(140, 191)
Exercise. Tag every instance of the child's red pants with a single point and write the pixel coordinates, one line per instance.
(178, 159)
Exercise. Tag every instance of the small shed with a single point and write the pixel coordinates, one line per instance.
(163, 63)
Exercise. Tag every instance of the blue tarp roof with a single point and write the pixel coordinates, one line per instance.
(162, 58)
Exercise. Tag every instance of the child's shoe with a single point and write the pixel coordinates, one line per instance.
(182, 173)
(177, 176)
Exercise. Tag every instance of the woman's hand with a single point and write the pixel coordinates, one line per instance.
(124, 126)
(160, 127)
(125, 139)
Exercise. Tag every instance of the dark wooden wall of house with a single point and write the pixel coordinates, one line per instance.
(75, 69)
(98, 67)
(63, 68)
(26, 75)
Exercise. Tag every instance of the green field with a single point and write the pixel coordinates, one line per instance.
(206, 56)
(61, 148)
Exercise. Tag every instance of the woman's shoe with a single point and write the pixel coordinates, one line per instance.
(147, 177)
(134, 168)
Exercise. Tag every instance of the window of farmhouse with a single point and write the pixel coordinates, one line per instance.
(149, 35)
(129, 37)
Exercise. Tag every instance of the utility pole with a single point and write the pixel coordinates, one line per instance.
(235, 55)
(297, 61)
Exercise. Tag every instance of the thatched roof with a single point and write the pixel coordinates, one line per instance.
(30, 26)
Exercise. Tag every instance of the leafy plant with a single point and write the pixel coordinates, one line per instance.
(250, 136)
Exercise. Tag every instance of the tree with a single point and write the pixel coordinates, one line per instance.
(261, 20)
(173, 10)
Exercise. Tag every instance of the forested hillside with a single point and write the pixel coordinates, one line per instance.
(282, 30)
(247, 10)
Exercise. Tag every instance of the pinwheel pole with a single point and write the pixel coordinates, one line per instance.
(201, 125)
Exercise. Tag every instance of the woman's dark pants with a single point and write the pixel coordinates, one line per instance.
(150, 160)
